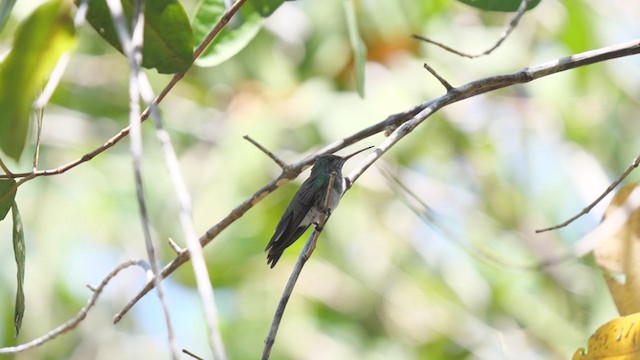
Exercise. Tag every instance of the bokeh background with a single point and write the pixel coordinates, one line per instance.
(383, 282)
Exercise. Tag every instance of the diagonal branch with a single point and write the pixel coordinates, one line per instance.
(81, 315)
(404, 121)
(613, 185)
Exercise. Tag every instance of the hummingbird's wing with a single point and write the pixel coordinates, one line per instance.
(291, 226)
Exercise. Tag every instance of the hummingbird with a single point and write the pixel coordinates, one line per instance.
(308, 203)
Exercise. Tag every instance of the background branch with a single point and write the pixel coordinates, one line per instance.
(505, 33)
(74, 321)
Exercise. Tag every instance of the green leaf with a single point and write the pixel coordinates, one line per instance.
(358, 46)
(168, 39)
(6, 200)
(5, 10)
(230, 40)
(499, 5)
(266, 7)
(39, 42)
(19, 253)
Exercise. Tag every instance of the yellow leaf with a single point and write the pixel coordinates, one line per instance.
(619, 339)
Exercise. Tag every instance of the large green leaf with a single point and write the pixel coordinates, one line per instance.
(243, 28)
(168, 39)
(19, 254)
(37, 46)
(6, 200)
(359, 49)
(5, 10)
(499, 5)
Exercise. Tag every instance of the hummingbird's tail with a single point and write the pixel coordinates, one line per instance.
(281, 241)
(273, 256)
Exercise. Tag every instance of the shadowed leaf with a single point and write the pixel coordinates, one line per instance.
(499, 5)
(19, 253)
(168, 39)
(6, 203)
(266, 7)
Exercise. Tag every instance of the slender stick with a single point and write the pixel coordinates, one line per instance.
(74, 321)
(507, 31)
(613, 185)
(283, 165)
(305, 254)
(132, 48)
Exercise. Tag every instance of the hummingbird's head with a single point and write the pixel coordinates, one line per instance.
(333, 163)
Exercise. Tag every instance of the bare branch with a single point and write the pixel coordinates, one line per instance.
(283, 165)
(444, 82)
(6, 170)
(507, 31)
(132, 48)
(586, 210)
(305, 254)
(74, 321)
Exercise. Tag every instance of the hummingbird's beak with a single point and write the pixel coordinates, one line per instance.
(355, 153)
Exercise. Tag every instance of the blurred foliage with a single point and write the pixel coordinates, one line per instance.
(383, 284)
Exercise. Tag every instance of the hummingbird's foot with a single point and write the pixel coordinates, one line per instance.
(326, 211)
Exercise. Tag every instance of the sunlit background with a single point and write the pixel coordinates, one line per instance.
(383, 283)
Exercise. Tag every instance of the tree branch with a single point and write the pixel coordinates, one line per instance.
(409, 119)
(74, 321)
(586, 210)
(507, 31)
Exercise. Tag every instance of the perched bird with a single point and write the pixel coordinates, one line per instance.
(308, 203)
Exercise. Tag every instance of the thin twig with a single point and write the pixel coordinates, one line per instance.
(175, 246)
(192, 354)
(409, 116)
(586, 210)
(283, 165)
(132, 48)
(74, 321)
(609, 226)
(6, 170)
(305, 254)
(507, 31)
(435, 74)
